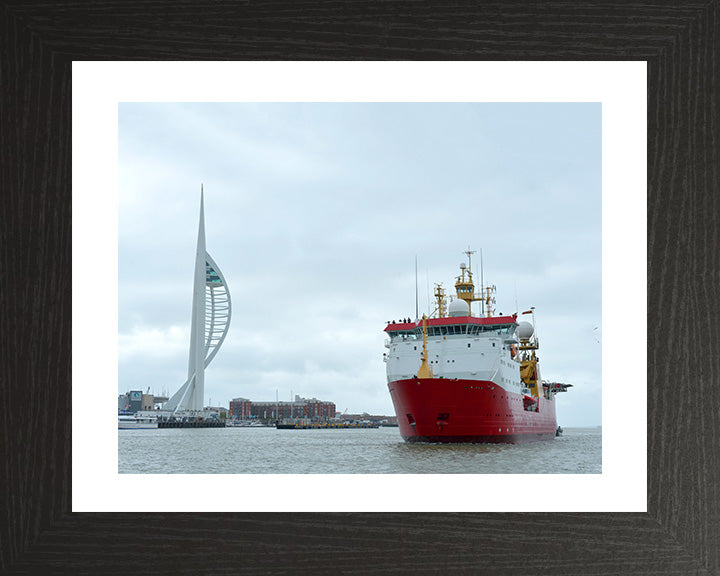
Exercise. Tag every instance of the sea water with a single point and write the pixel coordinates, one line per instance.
(251, 450)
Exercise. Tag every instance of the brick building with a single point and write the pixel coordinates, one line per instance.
(240, 409)
(310, 408)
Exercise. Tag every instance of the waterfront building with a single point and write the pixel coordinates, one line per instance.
(217, 411)
(131, 401)
(135, 401)
(310, 408)
(240, 409)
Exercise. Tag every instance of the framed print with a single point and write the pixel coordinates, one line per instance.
(676, 533)
(363, 128)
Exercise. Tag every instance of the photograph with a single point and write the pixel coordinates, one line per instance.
(360, 288)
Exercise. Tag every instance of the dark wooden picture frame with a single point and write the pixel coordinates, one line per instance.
(680, 533)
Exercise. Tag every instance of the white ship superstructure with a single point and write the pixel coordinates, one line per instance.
(467, 350)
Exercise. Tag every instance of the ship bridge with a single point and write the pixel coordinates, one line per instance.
(457, 347)
(467, 325)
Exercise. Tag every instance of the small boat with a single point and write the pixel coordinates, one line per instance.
(244, 424)
(136, 421)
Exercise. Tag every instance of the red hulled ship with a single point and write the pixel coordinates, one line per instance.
(455, 377)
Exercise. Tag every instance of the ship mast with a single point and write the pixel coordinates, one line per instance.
(440, 296)
(482, 300)
(528, 358)
(425, 371)
(487, 293)
(416, 291)
(489, 299)
(464, 286)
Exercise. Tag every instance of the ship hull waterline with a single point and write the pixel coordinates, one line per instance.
(442, 410)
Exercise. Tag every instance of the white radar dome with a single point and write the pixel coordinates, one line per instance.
(458, 308)
(525, 330)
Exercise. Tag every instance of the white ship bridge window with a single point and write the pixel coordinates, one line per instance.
(447, 330)
(402, 336)
(494, 330)
(471, 329)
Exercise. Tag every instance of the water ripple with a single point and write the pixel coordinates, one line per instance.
(373, 451)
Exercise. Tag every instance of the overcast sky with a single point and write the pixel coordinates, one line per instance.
(315, 214)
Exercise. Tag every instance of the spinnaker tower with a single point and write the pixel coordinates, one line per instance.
(211, 311)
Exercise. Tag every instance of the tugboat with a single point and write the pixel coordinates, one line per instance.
(455, 377)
